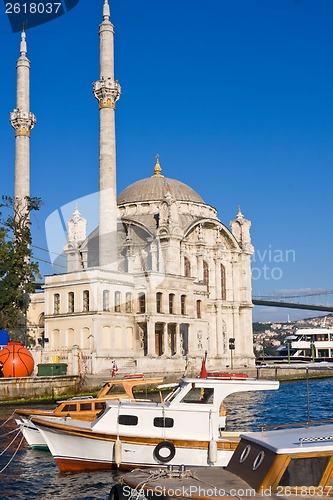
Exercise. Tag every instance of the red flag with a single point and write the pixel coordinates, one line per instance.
(203, 371)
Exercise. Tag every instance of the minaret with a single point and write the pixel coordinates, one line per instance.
(23, 121)
(107, 92)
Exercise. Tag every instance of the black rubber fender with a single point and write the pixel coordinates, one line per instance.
(117, 493)
(169, 446)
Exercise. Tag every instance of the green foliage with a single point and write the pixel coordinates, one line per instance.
(17, 272)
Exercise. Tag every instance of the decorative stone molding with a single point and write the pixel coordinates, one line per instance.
(22, 121)
(107, 92)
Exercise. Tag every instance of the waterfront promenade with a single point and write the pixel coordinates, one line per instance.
(28, 388)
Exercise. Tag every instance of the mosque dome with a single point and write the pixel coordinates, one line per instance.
(155, 188)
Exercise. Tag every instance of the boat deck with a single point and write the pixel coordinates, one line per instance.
(317, 438)
(199, 483)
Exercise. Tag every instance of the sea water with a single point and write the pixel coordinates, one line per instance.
(31, 474)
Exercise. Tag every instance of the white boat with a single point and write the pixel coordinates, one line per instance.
(184, 428)
(305, 345)
(289, 462)
(83, 407)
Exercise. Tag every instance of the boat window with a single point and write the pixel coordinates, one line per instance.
(245, 453)
(128, 420)
(199, 395)
(116, 389)
(85, 407)
(100, 406)
(304, 471)
(258, 460)
(163, 422)
(69, 408)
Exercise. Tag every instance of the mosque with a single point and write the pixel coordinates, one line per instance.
(160, 283)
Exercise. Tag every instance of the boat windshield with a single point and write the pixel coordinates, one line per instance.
(199, 395)
(171, 396)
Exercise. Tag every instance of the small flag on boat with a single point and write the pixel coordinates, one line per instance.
(114, 368)
(203, 371)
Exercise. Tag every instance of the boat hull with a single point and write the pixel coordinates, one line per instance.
(31, 434)
(84, 450)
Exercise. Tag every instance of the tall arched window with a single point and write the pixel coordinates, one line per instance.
(159, 302)
(56, 303)
(183, 304)
(117, 302)
(223, 283)
(171, 303)
(128, 302)
(55, 339)
(142, 303)
(106, 300)
(187, 267)
(205, 272)
(85, 300)
(199, 309)
(71, 302)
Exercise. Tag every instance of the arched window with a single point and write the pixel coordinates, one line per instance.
(106, 300)
(171, 303)
(205, 272)
(71, 302)
(128, 302)
(117, 302)
(142, 303)
(199, 309)
(55, 339)
(223, 283)
(70, 337)
(187, 267)
(85, 300)
(183, 304)
(56, 303)
(159, 302)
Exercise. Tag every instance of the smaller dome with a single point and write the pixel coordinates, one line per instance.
(156, 187)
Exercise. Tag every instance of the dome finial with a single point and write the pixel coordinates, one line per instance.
(239, 214)
(157, 168)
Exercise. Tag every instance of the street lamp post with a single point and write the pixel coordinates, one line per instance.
(232, 348)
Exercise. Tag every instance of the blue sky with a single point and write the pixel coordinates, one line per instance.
(234, 95)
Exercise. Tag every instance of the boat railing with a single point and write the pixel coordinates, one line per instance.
(315, 439)
(296, 424)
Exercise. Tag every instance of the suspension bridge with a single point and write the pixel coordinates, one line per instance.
(317, 301)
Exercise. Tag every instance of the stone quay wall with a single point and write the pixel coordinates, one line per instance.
(37, 387)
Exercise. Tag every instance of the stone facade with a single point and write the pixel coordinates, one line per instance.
(161, 282)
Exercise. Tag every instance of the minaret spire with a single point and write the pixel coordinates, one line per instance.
(106, 11)
(23, 121)
(107, 92)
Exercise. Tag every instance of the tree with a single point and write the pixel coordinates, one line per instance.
(18, 273)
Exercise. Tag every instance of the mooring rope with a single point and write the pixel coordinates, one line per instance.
(167, 474)
(9, 432)
(12, 441)
(13, 456)
(11, 416)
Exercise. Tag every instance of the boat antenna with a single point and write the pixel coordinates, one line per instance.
(187, 364)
